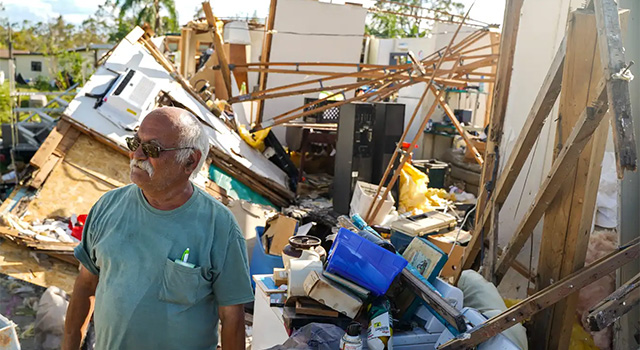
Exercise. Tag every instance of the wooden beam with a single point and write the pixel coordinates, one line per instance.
(615, 305)
(501, 92)
(185, 50)
(613, 58)
(434, 300)
(449, 112)
(544, 298)
(498, 111)
(494, 38)
(489, 263)
(567, 223)
(218, 45)
(562, 166)
(50, 143)
(265, 55)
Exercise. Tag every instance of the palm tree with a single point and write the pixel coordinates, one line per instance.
(149, 12)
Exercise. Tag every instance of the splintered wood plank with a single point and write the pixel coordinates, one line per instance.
(67, 141)
(41, 174)
(613, 58)
(544, 298)
(615, 305)
(562, 166)
(50, 143)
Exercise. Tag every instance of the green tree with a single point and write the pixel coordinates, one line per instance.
(412, 22)
(148, 11)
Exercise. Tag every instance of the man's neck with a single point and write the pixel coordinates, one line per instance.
(170, 198)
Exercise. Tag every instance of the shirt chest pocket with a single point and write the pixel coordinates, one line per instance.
(183, 285)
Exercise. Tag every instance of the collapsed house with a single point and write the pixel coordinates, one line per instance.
(84, 157)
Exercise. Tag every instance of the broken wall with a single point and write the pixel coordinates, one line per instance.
(542, 27)
(88, 170)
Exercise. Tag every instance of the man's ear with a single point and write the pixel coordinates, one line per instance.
(192, 161)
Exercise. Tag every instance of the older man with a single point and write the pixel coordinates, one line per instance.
(162, 260)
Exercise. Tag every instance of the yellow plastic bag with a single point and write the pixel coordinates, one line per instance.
(415, 196)
(255, 139)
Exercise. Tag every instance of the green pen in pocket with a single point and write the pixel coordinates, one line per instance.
(184, 260)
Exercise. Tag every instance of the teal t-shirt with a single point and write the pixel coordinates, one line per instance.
(144, 299)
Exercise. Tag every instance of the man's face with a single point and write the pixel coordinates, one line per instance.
(156, 173)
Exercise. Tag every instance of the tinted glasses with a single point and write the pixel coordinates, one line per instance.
(149, 149)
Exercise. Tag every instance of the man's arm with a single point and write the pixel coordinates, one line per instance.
(232, 318)
(80, 309)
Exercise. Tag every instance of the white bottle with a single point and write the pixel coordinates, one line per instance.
(351, 339)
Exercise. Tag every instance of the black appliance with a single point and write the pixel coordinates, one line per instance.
(367, 136)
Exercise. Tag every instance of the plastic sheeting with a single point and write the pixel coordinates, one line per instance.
(314, 336)
(607, 200)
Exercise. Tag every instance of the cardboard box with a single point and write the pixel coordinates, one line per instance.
(328, 293)
(453, 262)
(277, 233)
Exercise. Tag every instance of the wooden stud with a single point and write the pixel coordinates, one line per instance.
(498, 111)
(499, 108)
(613, 58)
(489, 264)
(218, 45)
(567, 223)
(564, 164)
(465, 136)
(544, 298)
(493, 37)
(615, 305)
(185, 49)
(266, 54)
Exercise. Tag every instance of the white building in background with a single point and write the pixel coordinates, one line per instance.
(31, 65)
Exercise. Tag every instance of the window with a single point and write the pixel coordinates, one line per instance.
(36, 66)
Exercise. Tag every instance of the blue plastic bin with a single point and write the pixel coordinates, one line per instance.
(261, 262)
(364, 262)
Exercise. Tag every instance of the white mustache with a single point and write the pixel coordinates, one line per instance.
(144, 165)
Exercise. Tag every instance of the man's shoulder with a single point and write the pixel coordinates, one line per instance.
(218, 210)
(211, 202)
(114, 196)
(119, 192)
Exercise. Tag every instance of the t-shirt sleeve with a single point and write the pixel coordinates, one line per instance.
(84, 251)
(233, 284)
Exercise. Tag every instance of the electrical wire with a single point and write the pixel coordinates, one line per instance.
(337, 34)
(460, 229)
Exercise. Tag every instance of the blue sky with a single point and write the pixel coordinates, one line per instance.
(76, 11)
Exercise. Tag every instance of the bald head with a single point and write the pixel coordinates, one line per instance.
(180, 129)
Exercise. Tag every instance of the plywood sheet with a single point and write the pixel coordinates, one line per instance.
(18, 262)
(70, 190)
